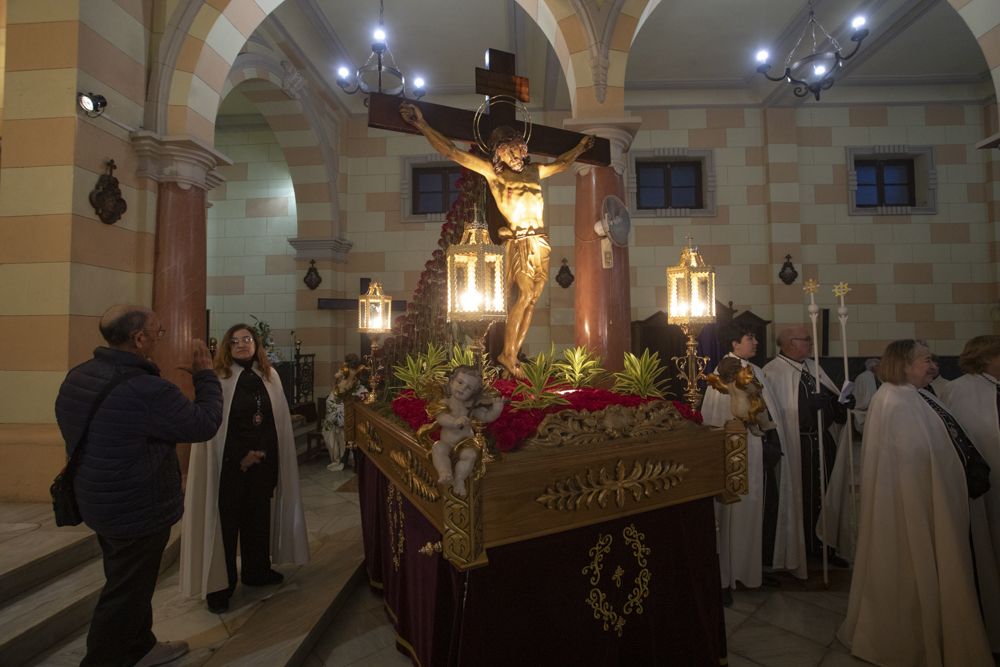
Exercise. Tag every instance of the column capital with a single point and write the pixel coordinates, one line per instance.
(178, 159)
(335, 249)
(619, 131)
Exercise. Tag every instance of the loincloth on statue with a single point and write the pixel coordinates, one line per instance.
(527, 256)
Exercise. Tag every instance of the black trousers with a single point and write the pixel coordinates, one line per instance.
(245, 518)
(121, 629)
(812, 496)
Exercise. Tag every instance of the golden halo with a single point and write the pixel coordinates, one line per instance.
(505, 99)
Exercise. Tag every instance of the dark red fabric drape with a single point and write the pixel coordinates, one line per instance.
(530, 605)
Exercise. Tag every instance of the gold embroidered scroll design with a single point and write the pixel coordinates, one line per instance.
(583, 490)
(413, 474)
(612, 619)
(394, 521)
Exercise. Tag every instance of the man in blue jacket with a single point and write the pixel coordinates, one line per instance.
(128, 479)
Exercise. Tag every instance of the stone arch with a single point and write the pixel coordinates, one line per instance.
(305, 140)
(984, 23)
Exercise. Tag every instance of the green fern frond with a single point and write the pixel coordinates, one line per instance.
(535, 388)
(639, 376)
(579, 367)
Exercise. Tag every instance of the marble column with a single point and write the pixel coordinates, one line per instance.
(184, 169)
(602, 297)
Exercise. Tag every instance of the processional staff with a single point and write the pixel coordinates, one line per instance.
(840, 291)
(810, 288)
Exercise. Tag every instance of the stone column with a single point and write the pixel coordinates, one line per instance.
(184, 170)
(602, 300)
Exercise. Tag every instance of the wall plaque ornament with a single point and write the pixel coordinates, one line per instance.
(106, 197)
(613, 619)
(584, 489)
(312, 279)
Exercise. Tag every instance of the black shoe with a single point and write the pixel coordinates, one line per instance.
(269, 578)
(218, 602)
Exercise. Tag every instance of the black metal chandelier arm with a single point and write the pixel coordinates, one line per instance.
(764, 68)
(857, 38)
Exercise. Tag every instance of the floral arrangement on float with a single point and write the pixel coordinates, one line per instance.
(550, 385)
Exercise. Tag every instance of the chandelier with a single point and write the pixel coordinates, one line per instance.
(379, 74)
(815, 71)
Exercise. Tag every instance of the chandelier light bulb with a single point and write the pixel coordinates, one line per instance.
(379, 35)
(343, 72)
(418, 82)
(819, 70)
(763, 56)
(858, 22)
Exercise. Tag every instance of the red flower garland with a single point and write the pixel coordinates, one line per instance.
(515, 426)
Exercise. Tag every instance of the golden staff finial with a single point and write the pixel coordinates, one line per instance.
(841, 289)
(810, 286)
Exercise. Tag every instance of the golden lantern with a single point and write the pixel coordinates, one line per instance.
(691, 305)
(374, 311)
(476, 281)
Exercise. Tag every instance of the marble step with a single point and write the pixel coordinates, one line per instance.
(33, 550)
(48, 613)
(285, 626)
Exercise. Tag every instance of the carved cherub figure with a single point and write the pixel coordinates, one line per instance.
(463, 404)
(746, 393)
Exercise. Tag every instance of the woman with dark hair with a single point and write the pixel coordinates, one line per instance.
(243, 487)
(915, 595)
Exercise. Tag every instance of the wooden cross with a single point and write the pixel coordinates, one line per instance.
(457, 124)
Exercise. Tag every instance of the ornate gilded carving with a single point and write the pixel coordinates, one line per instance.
(736, 460)
(394, 524)
(578, 427)
(598, 600)
(463, 527)
(369, 437)
(413, 474)
(582, 490)
(430, 548)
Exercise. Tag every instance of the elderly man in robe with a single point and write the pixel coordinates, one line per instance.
(792, 377)
(918, 596)
(747, 528)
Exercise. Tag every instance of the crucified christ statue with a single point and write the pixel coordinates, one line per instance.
(516, 186)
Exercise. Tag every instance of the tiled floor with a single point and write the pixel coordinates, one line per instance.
(793, 625)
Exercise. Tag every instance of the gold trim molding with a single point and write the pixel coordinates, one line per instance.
(736, 480)
(370, 438)
(583, 490)
(568, 428)
(414, 475)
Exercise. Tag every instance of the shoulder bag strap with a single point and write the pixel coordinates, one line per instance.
(117, 379)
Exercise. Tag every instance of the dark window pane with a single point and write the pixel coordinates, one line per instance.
(429, 203)
(429, 181)
(652, 198)
(896, 174)
(453, 179)
(684, 174)
(649, 175)
(452, 196)
(867, 195)
(867, 174)
(683, 198)
(897, 195)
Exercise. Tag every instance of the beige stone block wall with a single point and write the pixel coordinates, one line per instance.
(251, 266)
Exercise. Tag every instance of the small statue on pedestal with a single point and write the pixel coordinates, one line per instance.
(462, 408)
(738, 381)
(350, 382)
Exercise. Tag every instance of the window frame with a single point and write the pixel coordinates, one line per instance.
(666, 168)
(706, 181)
(923, 182)
(408, 185)
(444, 171)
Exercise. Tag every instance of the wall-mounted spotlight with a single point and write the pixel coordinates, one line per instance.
(92, 104)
